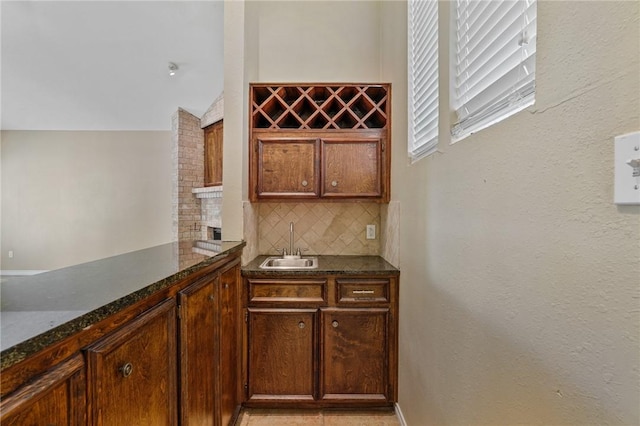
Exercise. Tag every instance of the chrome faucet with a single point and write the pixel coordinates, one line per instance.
(291, 238)
(292, 251)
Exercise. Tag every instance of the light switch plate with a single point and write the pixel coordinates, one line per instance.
(371, 232)
(626, 185)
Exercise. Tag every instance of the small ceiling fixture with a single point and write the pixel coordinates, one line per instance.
(173, 68)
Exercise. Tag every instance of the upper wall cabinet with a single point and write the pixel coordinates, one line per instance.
(320, 142)
(213, 154)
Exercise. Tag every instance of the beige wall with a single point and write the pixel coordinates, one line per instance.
(74, 196)
(520, 278)
(317, 41)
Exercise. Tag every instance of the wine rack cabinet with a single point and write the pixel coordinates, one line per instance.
(319, 107)
(328, 123)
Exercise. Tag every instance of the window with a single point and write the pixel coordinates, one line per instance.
(494, 62)
(492, 71)
(423, 77)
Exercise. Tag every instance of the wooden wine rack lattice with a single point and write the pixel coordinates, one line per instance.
(325, 107)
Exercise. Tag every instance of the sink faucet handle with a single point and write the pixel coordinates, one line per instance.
(300, 250)
(282, 251)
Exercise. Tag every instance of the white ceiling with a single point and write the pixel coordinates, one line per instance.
(103, 65)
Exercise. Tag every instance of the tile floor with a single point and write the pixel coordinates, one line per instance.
(265, 417)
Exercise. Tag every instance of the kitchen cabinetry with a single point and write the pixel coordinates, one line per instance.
(209, 349)
(327, 341)
(282, 332)
(352, 167)
(319, 142)
(198, 352)
(170, 356)
(287, 166)
(229, 343)
(282, 356)
(213, 154)
(55, 398)
(132, 371)
(355, 348)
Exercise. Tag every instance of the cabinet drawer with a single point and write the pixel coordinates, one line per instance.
(362, 291)
(287, 291)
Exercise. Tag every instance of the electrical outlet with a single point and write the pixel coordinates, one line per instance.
(371, 232)
(10, 254)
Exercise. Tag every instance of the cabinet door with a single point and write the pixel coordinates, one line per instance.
(282, 354)
(352, 168)
(287, 168)
(213, 154)
(230, 343)
(56, 398)
(132, 371)
(355, 355)
(198, 352)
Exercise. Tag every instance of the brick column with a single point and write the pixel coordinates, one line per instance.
(188, 163)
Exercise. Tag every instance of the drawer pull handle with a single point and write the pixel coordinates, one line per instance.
(126, 369)
(305, 183)
(335, 324)
(363, 291)
(301, 324)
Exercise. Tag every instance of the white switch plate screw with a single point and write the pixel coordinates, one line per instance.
(10, 254)
(371, 232)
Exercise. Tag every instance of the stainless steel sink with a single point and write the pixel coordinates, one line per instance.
(290, 262)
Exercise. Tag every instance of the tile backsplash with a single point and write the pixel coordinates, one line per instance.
(322, 228)
(390, 233)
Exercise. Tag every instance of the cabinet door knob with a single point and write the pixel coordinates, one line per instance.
(226, 285)
(301, 324)
(335, 324)
(334, 183)
(305, 183)
(211, 297)
(126, 369)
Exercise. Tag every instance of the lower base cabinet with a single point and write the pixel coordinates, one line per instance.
(198, 352)
(132, 374)
(282, 358)
(209, 341)
(177, 362)
(329, 342)
(355, 355)
(55, 398)
(229, 363)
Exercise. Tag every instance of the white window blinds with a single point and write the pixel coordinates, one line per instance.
(494, 68)
(423, 77)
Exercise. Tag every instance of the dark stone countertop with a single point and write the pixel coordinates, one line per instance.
(39, 310)
(327, 265)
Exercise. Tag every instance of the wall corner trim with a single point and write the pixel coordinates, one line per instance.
(403, 422)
